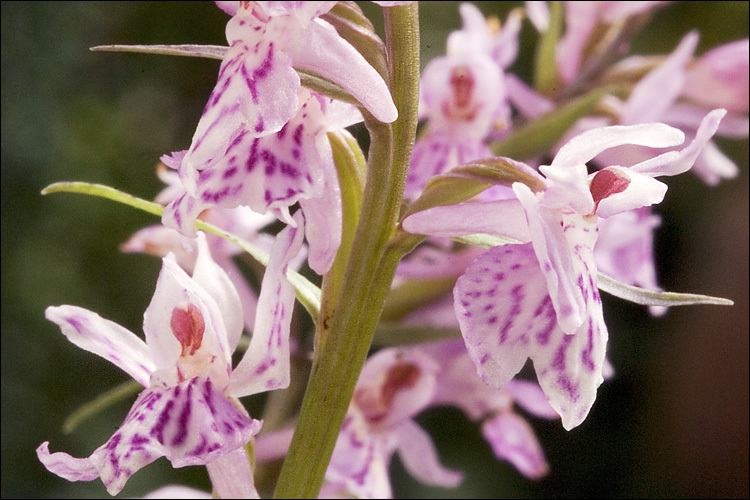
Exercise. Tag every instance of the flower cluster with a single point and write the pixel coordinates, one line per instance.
(515, 207)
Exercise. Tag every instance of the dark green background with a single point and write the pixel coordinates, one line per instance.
(672, 423)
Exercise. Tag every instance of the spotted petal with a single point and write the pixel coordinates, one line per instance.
(190, 424)
(556, 253)
(358, 467)
(506, 316)
(272, 172)
(256, 92)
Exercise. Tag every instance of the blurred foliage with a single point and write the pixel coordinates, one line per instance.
(672, 423)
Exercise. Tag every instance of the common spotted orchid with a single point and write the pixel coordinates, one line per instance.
(539, 299)
(394, 386)
(256, 93)
(463, 97)
(187, 410)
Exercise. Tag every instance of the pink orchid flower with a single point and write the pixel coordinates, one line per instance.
(267, 41)
(539, 299)
(463, 97)
(188, 410)
(394, 386)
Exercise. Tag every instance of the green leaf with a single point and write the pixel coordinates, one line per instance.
(207, 51)
(413, 294)
(486, 240)
(307, 293)
(462, 183)
(100, 403)
(538, 137)
(652, 298)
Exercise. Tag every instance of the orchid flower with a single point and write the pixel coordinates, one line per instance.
(539, 299)
(188, 410)
(257, 89)
(273, 173)
(394, 386)
(463, 96)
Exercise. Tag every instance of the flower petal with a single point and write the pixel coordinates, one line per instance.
(190, 424)
(321, 49)
(529, 396)
(506, 316)
(556, 259)
(265, 365)
(323, 217)
(641, 191)
(394, 386)
(656, 92)
(504, 311)
(105, 338)
(504, 218)
(420, 458)
(231, 476)
(513, 439)
(585, 146)
(358, 466)
(235, 105)
(673, 163)
(174, 290)
(272, 172)
(65, 466)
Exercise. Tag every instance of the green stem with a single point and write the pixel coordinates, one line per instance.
(337, 367)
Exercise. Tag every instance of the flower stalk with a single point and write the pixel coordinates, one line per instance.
(338, 364)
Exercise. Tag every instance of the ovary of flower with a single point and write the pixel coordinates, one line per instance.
(187, 411)
(539, 299)
(256, 91)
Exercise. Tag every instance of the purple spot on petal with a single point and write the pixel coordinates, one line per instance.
(298, 134)
(229, 173)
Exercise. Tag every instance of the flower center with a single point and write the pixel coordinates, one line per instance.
(375, 404)
(462, 82)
